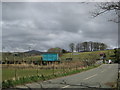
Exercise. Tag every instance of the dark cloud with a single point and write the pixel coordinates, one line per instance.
(0, 26)
(45, 25)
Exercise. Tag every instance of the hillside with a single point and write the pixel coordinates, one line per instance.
(88, 55)
(76, 56)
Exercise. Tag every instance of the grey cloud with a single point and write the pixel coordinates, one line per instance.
(46, 25)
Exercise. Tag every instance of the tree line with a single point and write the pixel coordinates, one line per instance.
(87, 46)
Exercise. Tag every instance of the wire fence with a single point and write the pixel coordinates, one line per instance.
(15, 71)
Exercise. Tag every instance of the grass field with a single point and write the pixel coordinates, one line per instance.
(88, 55)
(10, 57)
(80, 56)
(9, 73)
(34, 78)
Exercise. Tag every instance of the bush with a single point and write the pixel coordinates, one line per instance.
(34, 78)
(7, 84)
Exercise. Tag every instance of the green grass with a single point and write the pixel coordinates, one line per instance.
(88, 55)
(30, 74)
(81, 56)
(23, 80)
(9, 73)
(10, 57)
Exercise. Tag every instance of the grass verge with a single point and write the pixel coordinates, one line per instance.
(29, 79)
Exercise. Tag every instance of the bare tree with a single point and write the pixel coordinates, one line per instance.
(91, 46)
(72, 46)
(85, 46)
(108, 7)
(78, 47)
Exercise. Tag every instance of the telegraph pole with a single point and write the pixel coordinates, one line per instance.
(3, 51)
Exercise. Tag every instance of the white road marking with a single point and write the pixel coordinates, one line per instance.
(66, 86)
(90, 77)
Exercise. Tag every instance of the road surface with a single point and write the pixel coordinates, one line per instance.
(102, 76)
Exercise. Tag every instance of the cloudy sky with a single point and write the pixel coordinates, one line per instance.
(47, 25)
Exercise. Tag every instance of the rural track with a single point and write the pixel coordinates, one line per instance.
(101, 77)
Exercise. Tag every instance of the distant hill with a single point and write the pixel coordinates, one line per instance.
(34, 52)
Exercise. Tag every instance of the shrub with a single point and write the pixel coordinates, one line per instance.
(7, 84)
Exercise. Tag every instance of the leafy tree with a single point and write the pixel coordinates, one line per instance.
(64, 51)
(103, 46)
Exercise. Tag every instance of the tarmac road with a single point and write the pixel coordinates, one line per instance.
(100, 77)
